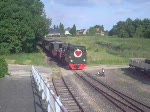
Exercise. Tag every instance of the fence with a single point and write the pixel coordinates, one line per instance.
(53, 102)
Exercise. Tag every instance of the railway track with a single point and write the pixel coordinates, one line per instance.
(120, 100)
(67, 95)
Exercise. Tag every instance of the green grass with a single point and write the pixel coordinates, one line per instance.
(110, 50)
(128, 48)
(26, 59)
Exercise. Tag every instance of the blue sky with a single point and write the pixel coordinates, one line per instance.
(87, 13)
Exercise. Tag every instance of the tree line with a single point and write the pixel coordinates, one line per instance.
(60, 29)
(131, 28)
(73, 31)
(22, 24)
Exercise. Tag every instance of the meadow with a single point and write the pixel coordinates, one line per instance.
(111, 50)
(27, 59)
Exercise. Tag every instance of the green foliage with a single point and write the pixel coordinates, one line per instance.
(36, 58)
(61, 29)
(58, 29)
(26, 59)
(3, 67)
(22, 23)
(126, 47)
(73, 30)
(129, 29)
(96, 29)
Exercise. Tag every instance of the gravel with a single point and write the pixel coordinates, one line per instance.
(128, 81)
(132, 83)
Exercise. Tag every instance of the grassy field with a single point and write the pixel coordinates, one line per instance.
(111, 50)
(26, 59)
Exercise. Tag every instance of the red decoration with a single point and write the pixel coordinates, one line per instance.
(78, 53)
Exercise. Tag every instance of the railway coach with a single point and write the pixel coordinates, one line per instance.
(140, 64)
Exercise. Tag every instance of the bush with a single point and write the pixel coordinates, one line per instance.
(3, 67)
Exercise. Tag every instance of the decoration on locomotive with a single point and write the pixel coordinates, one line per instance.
(71, 55)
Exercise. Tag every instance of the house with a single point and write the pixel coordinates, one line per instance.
(82, 32)
(67, 31)
(100, 32)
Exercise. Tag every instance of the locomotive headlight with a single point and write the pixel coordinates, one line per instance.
(71, 60)
(83, 59)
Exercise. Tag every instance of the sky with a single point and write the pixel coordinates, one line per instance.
(88, 13)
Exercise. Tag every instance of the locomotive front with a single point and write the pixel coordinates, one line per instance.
(76, 57)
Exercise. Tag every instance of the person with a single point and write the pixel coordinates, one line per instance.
(103, 71)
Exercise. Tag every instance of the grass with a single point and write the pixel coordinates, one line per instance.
(26, 59)
(111, 50)
(128, 48)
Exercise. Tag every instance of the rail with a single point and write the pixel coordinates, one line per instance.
(53, 102)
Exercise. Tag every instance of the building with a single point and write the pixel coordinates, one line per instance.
(100, 32)
(67, 31)
(82, 32)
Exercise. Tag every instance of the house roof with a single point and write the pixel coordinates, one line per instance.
(81, 31)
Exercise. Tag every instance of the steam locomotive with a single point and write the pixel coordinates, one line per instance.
(73, 56)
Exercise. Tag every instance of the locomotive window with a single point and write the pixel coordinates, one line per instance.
(84, 49)
(72, 50)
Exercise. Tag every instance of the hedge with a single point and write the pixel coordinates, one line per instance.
(3, 67)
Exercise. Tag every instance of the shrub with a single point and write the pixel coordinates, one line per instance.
(3, 67)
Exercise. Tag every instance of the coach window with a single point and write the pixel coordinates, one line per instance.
(71, 50)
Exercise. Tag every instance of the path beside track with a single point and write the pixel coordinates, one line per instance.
(18, 93)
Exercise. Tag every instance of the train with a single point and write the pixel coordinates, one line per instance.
(140, 64)
(73, 56)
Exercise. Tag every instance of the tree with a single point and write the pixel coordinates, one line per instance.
(55, 27)
(23, 23)
(146, 28)
(73, 30)
(61, 29)
(128, 29)
(138, 32)
(96, 29)
(92, 31)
